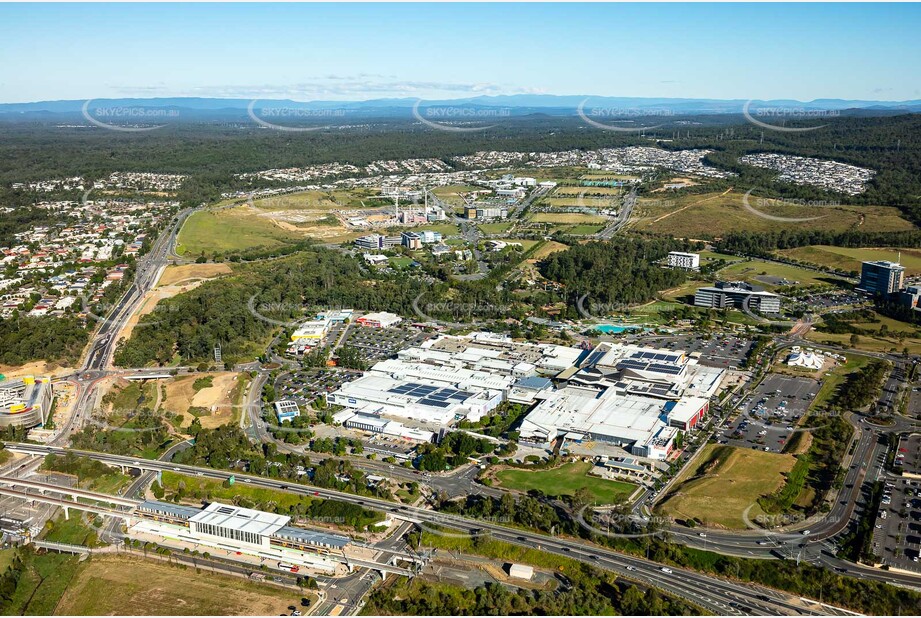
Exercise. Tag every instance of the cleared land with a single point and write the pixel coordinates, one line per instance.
(724, 483)
(716, 214)
(146, 588)
(191, 272)
(848, 259)
(213, 405)
(230, 230)
(566, 480)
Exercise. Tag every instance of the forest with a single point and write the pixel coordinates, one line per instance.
(25, 339)
(615, 274)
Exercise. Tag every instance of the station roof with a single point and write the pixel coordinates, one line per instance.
(238, 518)
(314, 538)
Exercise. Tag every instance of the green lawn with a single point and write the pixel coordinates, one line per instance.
(565, 480)
(401, 262)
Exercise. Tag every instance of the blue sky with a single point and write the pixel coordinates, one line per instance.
(363, 51)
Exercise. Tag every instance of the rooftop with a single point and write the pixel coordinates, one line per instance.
(238, 518)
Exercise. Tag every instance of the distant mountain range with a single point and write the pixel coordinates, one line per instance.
(517, 105)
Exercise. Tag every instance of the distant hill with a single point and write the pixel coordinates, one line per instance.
(517, 104)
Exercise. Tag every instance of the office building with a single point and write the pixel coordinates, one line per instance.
(687, 261)
(286, 410)
(737, 294)
(881, 278)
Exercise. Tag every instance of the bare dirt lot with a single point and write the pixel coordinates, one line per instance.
(215, 401)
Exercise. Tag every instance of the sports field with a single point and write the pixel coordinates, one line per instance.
(113, 585)
(723, 483)
(565, 480)
(849, 259)
(711, 215)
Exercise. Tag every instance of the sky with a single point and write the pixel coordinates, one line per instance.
(368, 51)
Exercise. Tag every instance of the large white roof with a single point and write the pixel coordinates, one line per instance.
(238, 518)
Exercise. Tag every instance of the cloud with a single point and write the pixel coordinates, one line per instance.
(333, 86)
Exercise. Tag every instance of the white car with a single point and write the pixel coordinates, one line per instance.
(666, 570)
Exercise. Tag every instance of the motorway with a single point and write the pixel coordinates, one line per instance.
(100, 352)
(711, 593)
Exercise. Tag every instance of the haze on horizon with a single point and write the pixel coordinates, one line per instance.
(358, 52)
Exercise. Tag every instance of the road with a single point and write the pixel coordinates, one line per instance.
(712, 593)
(621, 219)
(102, 346)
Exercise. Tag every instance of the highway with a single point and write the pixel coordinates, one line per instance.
(102, 347)
(709, 592)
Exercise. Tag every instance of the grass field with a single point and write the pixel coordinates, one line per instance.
(228, 231)
(216, 399)
(401, 262)
(73, 531)
(566, 217)
(452, 193)
(134, 586)
(712, 215)
(751, 270)
(724, 482)
(584, 201)
(548, 248)
(565, 480)
(495, 228)
(43, 583)
(849, 259)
